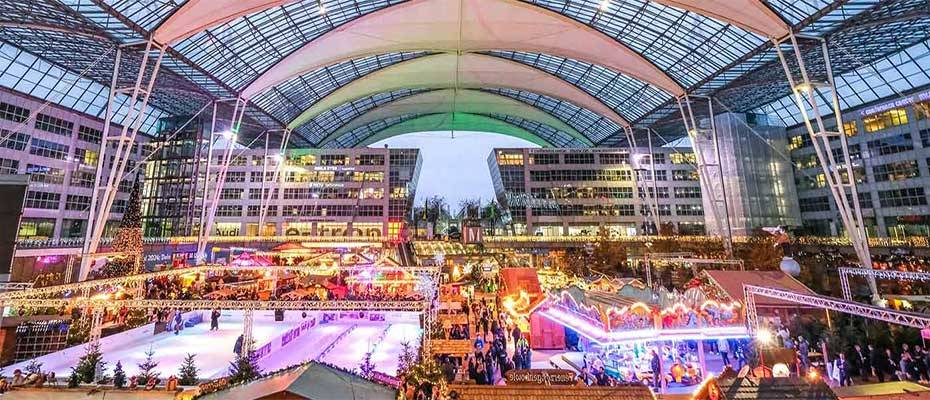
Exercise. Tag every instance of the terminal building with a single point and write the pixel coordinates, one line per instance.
(889, 143)
(58, 149)
(319, 192)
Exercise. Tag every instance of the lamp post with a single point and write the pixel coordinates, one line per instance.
(763, 338)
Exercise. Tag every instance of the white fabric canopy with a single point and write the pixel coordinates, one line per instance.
(452, 101)
(468, 26)
(466, 71)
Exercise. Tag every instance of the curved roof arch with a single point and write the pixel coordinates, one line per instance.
(467, 71)
(457, 101)
(467, 26)
(455, 122)
(195, 16)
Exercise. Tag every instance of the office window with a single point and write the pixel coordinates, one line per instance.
(896, 171)
(891, 145)
(13, 113)
(231, 193)
(884, 120)
(77, 203)
(8, 166)
(258, 194)
(689, 209)
(865, 200)
(659, 192)
(119, 206)
(82, 179)
(229, 210)
(684, 175)
(43, 200)
(687, 192)
(576, 158)
(86, 157)
(814, 204)
(683, 158)
(89, 135)
(43, 174)
(544, 159)
(659, 158)
(922, 109)
(509, 158)
(334, 159)
(369, 159)
(36, 228)
(799, 141)
(902, 197)
(256, 176)
(614, 158)
(54, 125)
(48, 149)
(235, 177)
(850, 128)
(254, 211)
(925, 137)
(14, 141)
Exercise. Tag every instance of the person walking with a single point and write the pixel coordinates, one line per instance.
(862, 362)
(723, 347)
(876, 363)
(656, 371)
(215, 320)
(843, 370)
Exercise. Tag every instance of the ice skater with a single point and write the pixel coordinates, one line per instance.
(215, 320)
(177, 322)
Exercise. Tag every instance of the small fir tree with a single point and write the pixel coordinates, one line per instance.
(75, 379)
(119, 376)
(147, 367)
(407, 358)
(188, 372)
(243, 369)
(34, 367)
(89, 363)
(367, 367)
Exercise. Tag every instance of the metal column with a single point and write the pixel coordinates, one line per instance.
(206, 227)
(839, 175)
(139, 93)
(642, 194)
(246, 348)
(275, 178)
(710, 170)
(96, 325)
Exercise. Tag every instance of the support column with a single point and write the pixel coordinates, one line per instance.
(702, 359)
(840, 176)
(246, 333)
(710, 171)
(96, 322)
(276, 177)
(103, 195)
(642, 195)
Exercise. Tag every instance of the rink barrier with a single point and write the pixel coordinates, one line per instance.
(285, 338)
(107, 344)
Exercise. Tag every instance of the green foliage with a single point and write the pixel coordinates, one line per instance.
(147, 367)
(86, 368)
(74, 380)
(407, 358)
(367, 367)
(34, 367)
(243, 369)
(119, 376)
(188, 372)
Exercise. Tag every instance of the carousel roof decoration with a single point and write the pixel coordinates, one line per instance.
(728, 285)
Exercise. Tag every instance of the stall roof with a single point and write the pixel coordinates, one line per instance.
(887, 390)
(601, 299)
(541, 392)
(312, 381)
(731, 283)
(775, 389)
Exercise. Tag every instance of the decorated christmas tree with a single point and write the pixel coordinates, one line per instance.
(407, 358)
(188, 372)
(119, 376)
(243, 369)
(90, 363)
(128, 240)
(74, 380)
(367, 367)
(147, 367)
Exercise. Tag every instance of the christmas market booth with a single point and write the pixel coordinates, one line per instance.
(312, 381)
(520, 295)
(747, 388)
(729, 285)
(546, 384)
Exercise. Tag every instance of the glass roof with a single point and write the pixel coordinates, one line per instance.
(880, 49)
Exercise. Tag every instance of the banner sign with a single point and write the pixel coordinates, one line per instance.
(544, 377)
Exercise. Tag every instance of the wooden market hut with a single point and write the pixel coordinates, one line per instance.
(729, 284)
(549, 392)
(312, 381)
(764, 389)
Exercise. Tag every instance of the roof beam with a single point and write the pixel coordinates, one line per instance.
(467, 71)
(455, 122)
(452, 101)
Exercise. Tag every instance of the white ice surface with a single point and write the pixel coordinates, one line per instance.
(214, 349)
(305, 347)
(388, 351)
(350, 351)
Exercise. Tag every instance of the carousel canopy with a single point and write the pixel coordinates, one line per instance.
(731, 283)
(775, 389)
(312, 381)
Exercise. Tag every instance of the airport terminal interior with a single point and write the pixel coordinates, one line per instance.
(464, 199)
